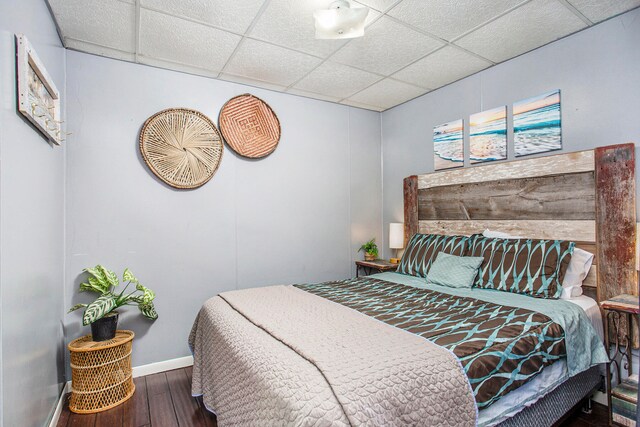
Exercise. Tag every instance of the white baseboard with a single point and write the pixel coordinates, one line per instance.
(166, 365)
(56, 414)
(137, 371)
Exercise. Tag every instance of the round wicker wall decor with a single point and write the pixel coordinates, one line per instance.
(249, 126)
(181, 147)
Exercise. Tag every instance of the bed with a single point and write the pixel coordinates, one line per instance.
(390, 349)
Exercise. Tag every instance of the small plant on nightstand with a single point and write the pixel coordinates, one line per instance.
(370, 250)
(101, 313)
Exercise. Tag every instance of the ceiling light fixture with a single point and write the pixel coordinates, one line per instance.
(340, 21)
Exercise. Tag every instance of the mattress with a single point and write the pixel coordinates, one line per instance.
(592, 310)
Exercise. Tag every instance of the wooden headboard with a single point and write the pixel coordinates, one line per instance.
(587, 197)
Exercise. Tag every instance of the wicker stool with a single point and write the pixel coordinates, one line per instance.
(101, 373)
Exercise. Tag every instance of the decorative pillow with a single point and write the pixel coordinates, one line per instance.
(423, 249)
(454, 271)
(524, 266)
(577, 270)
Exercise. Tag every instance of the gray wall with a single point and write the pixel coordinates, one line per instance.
(31, 232)
(596, 70)
(298, 215)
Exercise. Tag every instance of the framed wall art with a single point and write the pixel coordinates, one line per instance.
(38, 97)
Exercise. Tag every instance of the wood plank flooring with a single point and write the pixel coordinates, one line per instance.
(160, 400)
(164, 400)
(599, 417)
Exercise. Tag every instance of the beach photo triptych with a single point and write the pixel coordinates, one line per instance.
(448, 145)
(488, 135)
(536, 124)
(536, 129)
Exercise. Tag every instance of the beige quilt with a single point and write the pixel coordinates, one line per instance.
(282, 356)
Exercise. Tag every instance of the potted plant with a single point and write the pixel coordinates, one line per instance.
(101, 313)
(370, 250)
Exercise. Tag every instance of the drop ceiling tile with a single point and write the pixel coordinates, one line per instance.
(387, 93)
(290, 23)
(526, 28)
(99, 50)
(108, 23)
(177, 40)
(232, 15)
(598, 10)
(251, 82)
(449, 19)
(380, 5)
(336, 80)
(386, 47)
(266, 62)
(176, 66)
(360, 105)
(313, 95)
(441, 67)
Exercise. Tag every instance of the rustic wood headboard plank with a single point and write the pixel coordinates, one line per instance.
(569, 196)
(580, 161)
(535, 229)
(616, 220)
(410, 207)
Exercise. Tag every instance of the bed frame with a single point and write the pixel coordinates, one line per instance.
(586, 196)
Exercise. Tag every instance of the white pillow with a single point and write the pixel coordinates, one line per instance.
(577, 270)
(498, 235)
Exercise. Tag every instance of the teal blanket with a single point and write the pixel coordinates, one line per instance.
(584, 347)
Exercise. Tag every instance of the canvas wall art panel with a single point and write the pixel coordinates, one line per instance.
(537, 124)
(448, 145)
(488, 135)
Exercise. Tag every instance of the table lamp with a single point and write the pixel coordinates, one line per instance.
(396, 239)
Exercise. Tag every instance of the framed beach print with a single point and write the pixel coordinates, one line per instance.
(38, 97)
(488, 135)
(448, 145)
(537, 124)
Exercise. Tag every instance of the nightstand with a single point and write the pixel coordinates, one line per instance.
(622, 399)
(101, 375)
(378, 266)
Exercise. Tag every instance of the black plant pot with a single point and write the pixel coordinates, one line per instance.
(105, 329)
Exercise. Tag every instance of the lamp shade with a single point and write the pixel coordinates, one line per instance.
(396, 235)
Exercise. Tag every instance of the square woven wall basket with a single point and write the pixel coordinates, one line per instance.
(101, 375)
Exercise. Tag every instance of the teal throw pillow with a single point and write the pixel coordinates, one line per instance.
(454, 271)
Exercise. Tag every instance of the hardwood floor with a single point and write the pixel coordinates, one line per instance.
(160, 400)
(598, 417)
(164, 400)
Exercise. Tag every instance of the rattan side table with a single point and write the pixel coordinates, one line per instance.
(100, 373)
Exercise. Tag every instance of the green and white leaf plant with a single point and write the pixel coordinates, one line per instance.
(105, 282)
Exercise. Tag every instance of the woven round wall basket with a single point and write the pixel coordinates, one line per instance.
(249, 126)
(181, 147)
